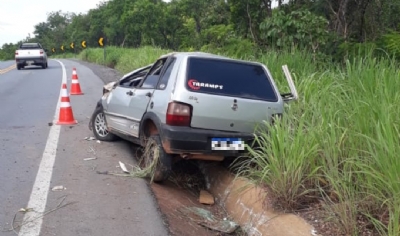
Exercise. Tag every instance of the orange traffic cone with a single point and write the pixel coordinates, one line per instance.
(66, 117)
(75, 87)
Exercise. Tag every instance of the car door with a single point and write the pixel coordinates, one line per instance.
(141, 97)
(118, 102)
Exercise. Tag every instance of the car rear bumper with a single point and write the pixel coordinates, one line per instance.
(33, 60)
(185, 140)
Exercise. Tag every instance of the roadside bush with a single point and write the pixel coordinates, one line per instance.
(391, 42)
(300, 28)
(221, 39)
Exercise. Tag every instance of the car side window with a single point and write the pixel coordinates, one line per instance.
(134, 80)
(153, 76)
(165, 77)
(150, 82)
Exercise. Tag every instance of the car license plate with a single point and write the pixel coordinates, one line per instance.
(227, 144)
(30, 62)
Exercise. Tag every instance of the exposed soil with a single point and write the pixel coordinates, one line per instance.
(318, 218)
(180, 191)
(328, 223)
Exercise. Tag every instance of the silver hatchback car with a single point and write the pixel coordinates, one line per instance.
(190, 105)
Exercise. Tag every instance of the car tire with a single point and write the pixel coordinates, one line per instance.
(47, 65)
(18, 67)
(99, 126)
(163, 168)
(44, 66)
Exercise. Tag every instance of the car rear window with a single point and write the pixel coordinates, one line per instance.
(229, 78)
(30, 46)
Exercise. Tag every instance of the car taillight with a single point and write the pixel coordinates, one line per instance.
(41, 52)
(178, 114)
(16, 53)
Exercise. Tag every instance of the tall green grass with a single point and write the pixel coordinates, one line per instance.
(340, 142)
(122, 59)
(64, 55)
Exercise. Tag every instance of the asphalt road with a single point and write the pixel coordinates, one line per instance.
(36, 156)
(6, 66)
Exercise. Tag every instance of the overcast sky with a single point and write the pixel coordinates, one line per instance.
(18, 17)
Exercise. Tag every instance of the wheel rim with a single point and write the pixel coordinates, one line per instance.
(100, 125)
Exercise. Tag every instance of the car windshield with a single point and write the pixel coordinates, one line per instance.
(228, 78)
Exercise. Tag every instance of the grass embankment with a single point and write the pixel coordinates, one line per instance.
(64, 55)
(339, 142)
(122, 59)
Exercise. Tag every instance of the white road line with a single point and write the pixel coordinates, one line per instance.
(40, 190)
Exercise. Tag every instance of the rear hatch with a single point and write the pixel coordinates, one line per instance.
(230, 95)
(29, 50)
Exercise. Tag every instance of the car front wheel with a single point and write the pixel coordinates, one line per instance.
(99, 126)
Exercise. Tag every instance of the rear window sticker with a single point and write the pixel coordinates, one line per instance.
(196, 85)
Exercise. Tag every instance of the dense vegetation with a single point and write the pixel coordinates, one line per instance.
(338, 143)
(325, 27)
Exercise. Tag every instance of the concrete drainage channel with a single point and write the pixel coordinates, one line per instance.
(236, 199)
(247, 204)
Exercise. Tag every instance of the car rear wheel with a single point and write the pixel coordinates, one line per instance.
(99, 126)
(44, 66)
(18, 67)
(155, 160)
